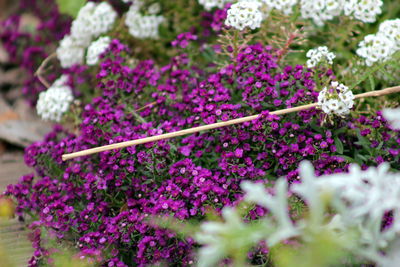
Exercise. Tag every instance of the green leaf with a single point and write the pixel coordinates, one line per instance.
(372, 82)
(339, 145)
(70, 7)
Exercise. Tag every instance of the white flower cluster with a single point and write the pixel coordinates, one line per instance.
(96, 49)
(381, 46)
(245, 14)
(363, 10)
(210, 4)
(336, 99)
(320, 10)
(143, 26)
(393, 116)
(92, 20)
(319, 54)
(285, 6)
(55, 101)
(360, 200)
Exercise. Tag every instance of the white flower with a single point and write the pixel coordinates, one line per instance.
(96, 49)
(391, 30)
(93, 20)
(337, 99)
(55, 101)
(285, 6)
(393, 116)
(141, 26)
(244, 14)
(320, 10)
(210, 4)
(375, 48)
(70, 52)
(364, 10)
(320, 54)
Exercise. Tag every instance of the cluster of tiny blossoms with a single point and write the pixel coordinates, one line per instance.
(210, 4)
(143, 26)
(92, 20)
(336, 99)
(96, 49)
(246, 13)
(55, 101)
(361, 201)
(319, 55)
(381, 46)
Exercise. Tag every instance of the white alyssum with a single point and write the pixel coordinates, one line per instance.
(363, 10)
(210, 4)
(393, 116)
(96, 49)
(55, 101)
(244, 14)
(358, 202)
(391, 30)
(143, 26)
(92, 20)
(70, 52)
(336, 99)
(320, 10)
(375, 48)
(319, 55)
(285, 6)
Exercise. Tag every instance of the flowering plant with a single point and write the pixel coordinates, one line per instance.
(126, 70)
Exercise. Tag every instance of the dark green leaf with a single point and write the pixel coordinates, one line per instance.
(339, 145)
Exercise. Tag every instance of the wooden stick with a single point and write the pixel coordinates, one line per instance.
(145, 140)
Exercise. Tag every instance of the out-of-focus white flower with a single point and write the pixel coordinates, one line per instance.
(92, 20)
(363, 10)
(222, 238)
(391, 30)
(375, 48)
(336, 99)
(154, 9)
(70, 52)
(55, 101)
(141, 26)
(244, 14)
(320, 10)
(210, 4)
(285, 6)
(96, 49)
(393, 116)
(319, 54)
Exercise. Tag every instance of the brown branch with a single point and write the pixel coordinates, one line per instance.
(145, 140)
(40, 70)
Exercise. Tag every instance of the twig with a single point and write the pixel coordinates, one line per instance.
(40, 70)
(145, 140)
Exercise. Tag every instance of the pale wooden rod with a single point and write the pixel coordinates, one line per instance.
(145, 140)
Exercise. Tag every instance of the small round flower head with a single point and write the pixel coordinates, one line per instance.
(285, 6)
(55, 101)
(141, 26)
(363, 10)
(210, 4)
(244, 14)
(375, 48)
(320, 10)
(391, 30)
(70, 52)
(337, 99)
(96, 49)
(92, 20)
(393, 116)
(319, 55)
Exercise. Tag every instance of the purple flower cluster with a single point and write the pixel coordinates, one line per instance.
(103, 202)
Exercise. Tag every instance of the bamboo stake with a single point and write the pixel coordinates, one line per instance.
(145, 140)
